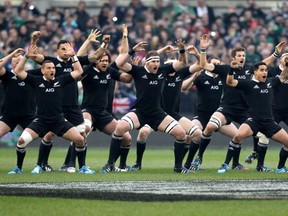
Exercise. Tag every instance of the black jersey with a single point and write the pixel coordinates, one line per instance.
(19, 98)
(280, 92)
(49, 95)
(172, 91)
(71, 90)
(232, 97)
(149, 87)
(209, 91)
(259, 96)
(97, 85)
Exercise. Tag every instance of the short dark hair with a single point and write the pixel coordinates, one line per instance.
(257, 65)
(151, 53)
(62, 42)
(237, 49)
(46, 62)
(213, 57)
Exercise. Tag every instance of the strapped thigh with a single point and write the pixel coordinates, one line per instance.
(129, 121)
(216, 121)
(171, 126)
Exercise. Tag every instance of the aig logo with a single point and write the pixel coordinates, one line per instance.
(171, 84)
(153, 82)
(49, 90)
(103, 81)
(215, 87)
(264, 91)
(242, 77)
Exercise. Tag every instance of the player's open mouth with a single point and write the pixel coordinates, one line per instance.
(264, 77)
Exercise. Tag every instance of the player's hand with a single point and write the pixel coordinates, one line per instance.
(35, 36)
(279, 48)
(124, 28)
(180, 44)
(140, 46)
(106, 39)
(192, 50)
(94, 34)
(17, 52)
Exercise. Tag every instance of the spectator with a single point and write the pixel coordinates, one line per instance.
(82, 15)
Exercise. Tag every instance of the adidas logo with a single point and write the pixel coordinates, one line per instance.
(207, 82)
(256, 87)
(58, 65)
(42, 85)
(95, 77)
(14, 77)
(144, 77)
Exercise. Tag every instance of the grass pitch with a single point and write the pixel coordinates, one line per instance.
(157, 165)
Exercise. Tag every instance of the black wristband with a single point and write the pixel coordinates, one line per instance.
(131, 52)
(182, 51)
(202, 50)
(231, 71)
(275, 54)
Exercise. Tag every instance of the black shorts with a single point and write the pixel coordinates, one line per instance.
(59, 126)
(280, 115)
(99, 118)
(233, 115)
(203, 119)
(73, 115)
(266, 126)
(152, 119)
(12, 122)
(176, 116)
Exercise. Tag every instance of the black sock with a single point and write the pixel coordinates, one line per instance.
(283, 154)
(261, 150)
(46, 151)
(81, 154)
(178, 152)
(141, 146)
(20, 152)
(255, 143)
(192, 152)
(114, 148)
(68, 155)
(186, 149)
(230, 152)
(205, 140)
(124, 150)
(236, 156)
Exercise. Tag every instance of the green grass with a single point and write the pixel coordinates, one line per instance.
(157, 165)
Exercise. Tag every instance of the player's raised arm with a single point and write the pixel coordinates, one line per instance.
(7, 58)
(20, 68)
(92, 38)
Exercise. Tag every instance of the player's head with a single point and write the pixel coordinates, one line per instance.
(260, 71)
(48, 69)
(214, 60)
(103, 63)
(238, 55)
(152, 61)
(62, 51)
